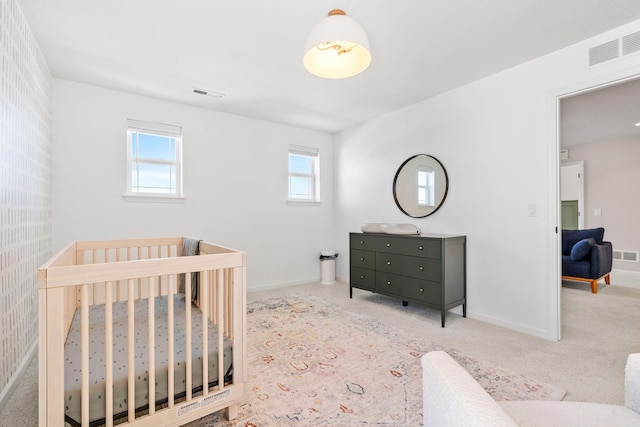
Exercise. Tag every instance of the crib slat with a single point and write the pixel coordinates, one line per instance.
(204, 290)
(229, 302)
(94, 256)
(108, 320)
(170, 379)
(84, 349)
(221, 327)
(118, 282)
(152, 347)
(131, 355)
(139, 278)
(187, 304)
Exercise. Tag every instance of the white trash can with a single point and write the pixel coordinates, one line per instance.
(328, 264)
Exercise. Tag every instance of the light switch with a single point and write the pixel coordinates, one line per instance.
(531, 209)
(597, 212)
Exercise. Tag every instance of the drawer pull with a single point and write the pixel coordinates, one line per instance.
(361, 258)
(388, 262)
(421, 247)
(421, 268)
(389, 283)
(421, 290)
(388, 245)
(362, 277)
(362, 242)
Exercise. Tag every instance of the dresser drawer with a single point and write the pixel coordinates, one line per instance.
(363, 259)
(414, 246)
(363, 278)
(408, 287)
(363, 242)
(420, 268)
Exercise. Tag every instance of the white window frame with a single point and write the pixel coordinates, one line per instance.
(428, 187)
(160, 129)
(314, 154)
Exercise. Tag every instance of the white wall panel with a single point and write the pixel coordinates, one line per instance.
(235, 182)
(496, 138)
(25, 189)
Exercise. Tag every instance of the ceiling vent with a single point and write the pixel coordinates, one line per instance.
(615, 49)
(208, 93)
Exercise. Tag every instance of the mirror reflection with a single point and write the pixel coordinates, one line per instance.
(420, 185)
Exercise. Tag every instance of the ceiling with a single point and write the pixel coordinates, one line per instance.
(251, 50)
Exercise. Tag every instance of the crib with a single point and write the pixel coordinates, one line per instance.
(175, 321)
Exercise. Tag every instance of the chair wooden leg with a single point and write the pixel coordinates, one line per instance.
(607, 279)
(594, 286)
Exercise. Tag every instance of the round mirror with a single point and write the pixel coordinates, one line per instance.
(420, 185)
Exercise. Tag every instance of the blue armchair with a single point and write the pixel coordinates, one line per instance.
(586, 257)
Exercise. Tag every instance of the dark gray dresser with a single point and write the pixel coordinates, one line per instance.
(428, 269)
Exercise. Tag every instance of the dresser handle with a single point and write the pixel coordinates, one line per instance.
(420, 247)
(362, 242)
(362, 277)
(389, 283)
(421, 268)
(388, 245)
(388, 262)
(421, 290)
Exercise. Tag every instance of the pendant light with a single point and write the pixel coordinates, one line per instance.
(337, 47)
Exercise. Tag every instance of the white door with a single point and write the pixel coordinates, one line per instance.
(572, 187)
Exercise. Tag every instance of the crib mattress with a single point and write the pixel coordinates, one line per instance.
(72, 373)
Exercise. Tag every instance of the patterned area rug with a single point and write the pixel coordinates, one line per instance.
(310, 364)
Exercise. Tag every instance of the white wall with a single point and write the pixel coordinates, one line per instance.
(25, 190)
(496, 137)
(235, 182)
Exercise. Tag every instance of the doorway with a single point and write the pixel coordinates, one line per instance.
(610, 118)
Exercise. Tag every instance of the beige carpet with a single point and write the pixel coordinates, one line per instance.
(599, 331)
(311, 364)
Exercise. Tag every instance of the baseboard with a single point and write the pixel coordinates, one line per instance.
(626, 278)
(270, 286)
(5, 395)
(540, 333)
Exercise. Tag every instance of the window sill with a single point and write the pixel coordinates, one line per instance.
(303, 203)
(152, 198)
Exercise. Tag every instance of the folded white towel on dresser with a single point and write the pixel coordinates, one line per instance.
(388, 228)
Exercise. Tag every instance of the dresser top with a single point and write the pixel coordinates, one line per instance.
(431, 235)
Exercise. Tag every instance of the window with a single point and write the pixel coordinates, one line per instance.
(154, 159)
(426, 186)
(304, 171)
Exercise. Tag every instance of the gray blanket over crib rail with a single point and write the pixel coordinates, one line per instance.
(190, 247)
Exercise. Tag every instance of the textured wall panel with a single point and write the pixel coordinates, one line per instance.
(25, 186)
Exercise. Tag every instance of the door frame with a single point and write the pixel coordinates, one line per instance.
(555, 246)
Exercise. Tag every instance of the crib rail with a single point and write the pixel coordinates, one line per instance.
(85, 274)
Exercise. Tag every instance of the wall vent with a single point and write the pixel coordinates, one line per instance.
(604, 52)
(627, 256)
(615, 49)
(631, 43)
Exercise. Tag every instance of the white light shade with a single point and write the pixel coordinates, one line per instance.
(337, 47)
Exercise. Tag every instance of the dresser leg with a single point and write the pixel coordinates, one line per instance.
(464, 310)
(442, 314)
(350, 292)
(405, 303)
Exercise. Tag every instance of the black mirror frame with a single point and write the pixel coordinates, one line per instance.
(444, 196)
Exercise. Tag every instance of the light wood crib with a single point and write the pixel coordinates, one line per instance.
(175, 322)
